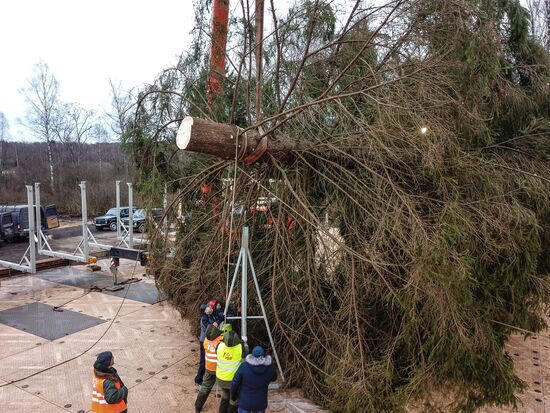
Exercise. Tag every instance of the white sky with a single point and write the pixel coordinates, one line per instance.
(85, 43)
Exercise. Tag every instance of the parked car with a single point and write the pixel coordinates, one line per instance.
(20, 218)
(6, 227)
(139, 219)
(108, 221)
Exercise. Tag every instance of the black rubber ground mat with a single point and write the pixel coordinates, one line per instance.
(140, 291)
(81, 279)
(42, 321)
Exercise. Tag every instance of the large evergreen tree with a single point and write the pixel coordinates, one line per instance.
(425, 133)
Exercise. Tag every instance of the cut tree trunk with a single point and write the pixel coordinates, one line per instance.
(220, 140)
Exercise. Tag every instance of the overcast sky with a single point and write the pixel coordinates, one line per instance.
(85, 43)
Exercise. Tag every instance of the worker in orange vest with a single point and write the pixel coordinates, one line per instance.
(109, 393)
(213, 338)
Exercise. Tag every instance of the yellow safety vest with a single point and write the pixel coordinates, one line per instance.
(229, 360)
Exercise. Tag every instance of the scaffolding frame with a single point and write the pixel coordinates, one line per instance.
(82, 250)
(27, 264)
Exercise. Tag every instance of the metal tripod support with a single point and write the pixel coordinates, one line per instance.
(243, 261)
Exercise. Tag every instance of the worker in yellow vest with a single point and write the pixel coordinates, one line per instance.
(213, 337)
(109, 394)
(230, 354)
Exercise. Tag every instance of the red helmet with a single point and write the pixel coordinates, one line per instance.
(212, 304)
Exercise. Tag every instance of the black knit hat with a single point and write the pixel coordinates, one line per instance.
(104, 358)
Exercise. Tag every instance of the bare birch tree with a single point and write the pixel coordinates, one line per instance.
(101, 136)
(540, 20)
(72, 126)
(4, 135)
(41, 95)
(121, 103)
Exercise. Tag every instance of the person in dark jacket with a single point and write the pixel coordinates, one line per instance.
(219, 313)
(206, 319)
(108, 387)
(251, 381)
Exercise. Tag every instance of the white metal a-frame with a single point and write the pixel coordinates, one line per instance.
(243, 261)
(82, 251)
(122, 232)
(28, 261)
(125, 236)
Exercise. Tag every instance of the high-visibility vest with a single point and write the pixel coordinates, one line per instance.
(99, 404)
(229, 360)
(210, 356)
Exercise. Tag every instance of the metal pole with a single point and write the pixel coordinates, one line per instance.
(117, 209)
(244, 283)
(84, 207)
(228, 298)
(130, 216)
(38, 214)
(165, 207)
(32, 239)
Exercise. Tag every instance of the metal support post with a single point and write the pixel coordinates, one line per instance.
(32, 234)
(84, 206)
(130, 216)
(244, 283)
(233, 281)
(115, 262)
(38, 214)
(117, 184)
(165, 207)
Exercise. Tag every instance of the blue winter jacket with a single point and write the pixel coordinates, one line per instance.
(206, 320)
(251, 381)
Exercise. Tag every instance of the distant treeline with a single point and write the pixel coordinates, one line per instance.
(99, 164)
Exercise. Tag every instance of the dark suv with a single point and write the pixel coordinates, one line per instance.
(139, 220)
(109, 219)
(7, 232)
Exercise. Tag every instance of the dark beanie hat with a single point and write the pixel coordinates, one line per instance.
(258, 351)
(231, 339)
(104, 358)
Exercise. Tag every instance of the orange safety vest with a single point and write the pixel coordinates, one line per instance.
(210, 356)
(99, 404)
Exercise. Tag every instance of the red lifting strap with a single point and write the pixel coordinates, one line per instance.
(258, 151)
